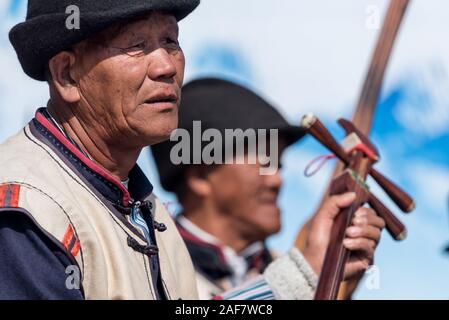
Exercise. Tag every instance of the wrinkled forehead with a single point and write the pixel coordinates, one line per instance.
(153, 22)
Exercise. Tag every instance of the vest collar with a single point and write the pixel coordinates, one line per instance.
(104, 182)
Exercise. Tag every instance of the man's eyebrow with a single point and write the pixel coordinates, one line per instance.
(121, 30)
(174, 25)
(126, 30)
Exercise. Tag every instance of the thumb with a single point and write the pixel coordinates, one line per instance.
(334, 204)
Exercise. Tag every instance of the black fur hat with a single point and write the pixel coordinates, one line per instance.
(44, 33)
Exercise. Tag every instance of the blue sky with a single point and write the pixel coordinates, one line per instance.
(311, 56)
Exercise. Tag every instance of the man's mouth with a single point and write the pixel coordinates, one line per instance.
(163, 98)
(269, 199)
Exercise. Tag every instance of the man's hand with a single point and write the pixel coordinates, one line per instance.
(361, 237)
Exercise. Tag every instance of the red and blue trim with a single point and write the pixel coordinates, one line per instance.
(9, 195)
(71, 242)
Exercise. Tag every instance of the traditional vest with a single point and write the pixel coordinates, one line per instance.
(86, 210)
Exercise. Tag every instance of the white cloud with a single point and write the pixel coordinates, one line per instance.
(431, 183)
(426, 111)
(313, 55)
(20, 95)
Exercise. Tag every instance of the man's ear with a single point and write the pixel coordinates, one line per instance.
(60, 67)
(197, 182)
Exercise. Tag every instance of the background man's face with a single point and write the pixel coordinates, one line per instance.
(248, 198)
(130, 85)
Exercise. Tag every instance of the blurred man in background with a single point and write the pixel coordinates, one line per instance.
(229, 209)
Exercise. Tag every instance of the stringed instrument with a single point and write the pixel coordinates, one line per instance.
(364, 112)
(358, 156)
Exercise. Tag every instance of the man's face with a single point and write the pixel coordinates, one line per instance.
(130, 85)
(248, 198)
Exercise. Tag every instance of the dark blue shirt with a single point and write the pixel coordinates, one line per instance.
(32, 265)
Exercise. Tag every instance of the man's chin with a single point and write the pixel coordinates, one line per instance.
(265, 232)
(158, 132)
(275, 228)
(268, 227)
(153, 139)
(271, 223)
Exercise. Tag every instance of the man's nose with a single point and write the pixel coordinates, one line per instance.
(274, 180)
(161, 65)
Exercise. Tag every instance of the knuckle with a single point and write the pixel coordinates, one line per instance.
(366, 263)
(382, 223)
(359, 243)
(362, 212)
(378, 235)
(360, 221)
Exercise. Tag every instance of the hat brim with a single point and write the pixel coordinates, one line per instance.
(37, 40)
(292, 134)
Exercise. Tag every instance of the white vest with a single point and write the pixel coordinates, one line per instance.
(67, 207)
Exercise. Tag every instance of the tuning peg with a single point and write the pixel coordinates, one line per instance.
(317, 129)
(394, 227)
(399, 197)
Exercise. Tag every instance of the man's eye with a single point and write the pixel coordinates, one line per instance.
(136, 49)
(172, 41)
(140, 45)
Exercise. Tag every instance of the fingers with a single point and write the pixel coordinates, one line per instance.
(367, 216)
(356, 267)
(365, 231)
(366, 224)
(362, 238)
(363, 246)
(361, 257)
(358, 263)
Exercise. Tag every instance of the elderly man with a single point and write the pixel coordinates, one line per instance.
(229, 210)
(78, 219)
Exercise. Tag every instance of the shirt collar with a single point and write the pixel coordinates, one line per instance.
(208, 238)
(216, 260)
